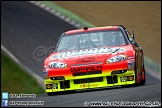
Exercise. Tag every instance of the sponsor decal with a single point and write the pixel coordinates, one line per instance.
(48, 86)
(130, 68)
(83, 85)
(86, 69)
(131, 65)
(46, 77)
(123, 79)
(55, 86)
(87, 51)
(45, 73)
(88, 85)
(127, 78)
(130, 78)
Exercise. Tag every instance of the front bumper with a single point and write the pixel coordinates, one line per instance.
(103, 77)
(90, 81)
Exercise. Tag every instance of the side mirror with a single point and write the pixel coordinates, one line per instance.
(132, 34)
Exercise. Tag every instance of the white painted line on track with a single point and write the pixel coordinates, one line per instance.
(152, 73)
(24, 67)
(56, 13)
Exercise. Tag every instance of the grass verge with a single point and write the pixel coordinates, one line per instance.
(15, 80)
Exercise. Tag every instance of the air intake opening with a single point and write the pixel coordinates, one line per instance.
(64, 84)
(118, 72)
(58, 78)
(112, 79)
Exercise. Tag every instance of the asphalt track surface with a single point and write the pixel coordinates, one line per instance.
(25, 27)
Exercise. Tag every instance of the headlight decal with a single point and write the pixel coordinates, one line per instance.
(117, 58)
(57, 65)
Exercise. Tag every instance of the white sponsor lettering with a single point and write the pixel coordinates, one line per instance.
(87, 51)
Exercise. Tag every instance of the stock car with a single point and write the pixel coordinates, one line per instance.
(97, 57)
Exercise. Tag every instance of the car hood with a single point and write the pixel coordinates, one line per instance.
(84, 56)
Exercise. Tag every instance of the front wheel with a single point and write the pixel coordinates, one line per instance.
(49, 94)
(144, 80)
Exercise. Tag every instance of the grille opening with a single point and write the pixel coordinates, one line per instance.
(118, 72)
(87, 73)
(91, 80)
(86, 64)
(58, 78)
(88, 80)
(64, 84)
(84, 80)
(112, 79)
(99, 79)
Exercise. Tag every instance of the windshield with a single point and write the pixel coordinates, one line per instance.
(93, 39)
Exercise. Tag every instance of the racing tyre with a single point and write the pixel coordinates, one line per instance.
(49, 94)
(144, 80)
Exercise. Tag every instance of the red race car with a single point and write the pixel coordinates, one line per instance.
(96, 57)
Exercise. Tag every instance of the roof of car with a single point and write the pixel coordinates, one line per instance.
(85, 29)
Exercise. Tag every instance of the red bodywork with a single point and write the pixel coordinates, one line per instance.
(67, 72)
(88, 66)
(92, 29)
